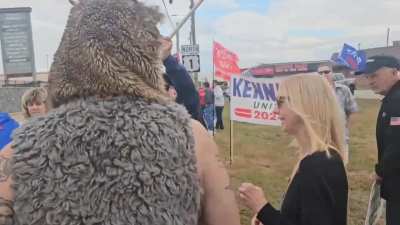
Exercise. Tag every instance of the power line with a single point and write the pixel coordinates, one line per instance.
(166, 10)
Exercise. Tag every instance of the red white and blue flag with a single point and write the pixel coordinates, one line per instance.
(350, 57)
(395, 121)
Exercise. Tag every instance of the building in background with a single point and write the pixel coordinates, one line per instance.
(282, 69)
(393, 50)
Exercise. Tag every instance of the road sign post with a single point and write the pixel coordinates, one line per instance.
(191, 57)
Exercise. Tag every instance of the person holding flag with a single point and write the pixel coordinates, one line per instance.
(186, 93)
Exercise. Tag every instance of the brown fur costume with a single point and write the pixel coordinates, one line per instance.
(108, 48)
(116, 150)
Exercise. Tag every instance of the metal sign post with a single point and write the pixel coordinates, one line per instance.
(191, 57)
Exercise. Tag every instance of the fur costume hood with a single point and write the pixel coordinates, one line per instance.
(109, 48)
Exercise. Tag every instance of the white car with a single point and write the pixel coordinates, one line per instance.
(349, 82)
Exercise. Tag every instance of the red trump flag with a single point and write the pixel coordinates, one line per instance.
(225, 62)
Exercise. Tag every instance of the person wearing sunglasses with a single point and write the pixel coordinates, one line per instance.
(346, 100)
(318, 188)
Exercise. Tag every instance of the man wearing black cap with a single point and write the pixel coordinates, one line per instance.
(384, 77)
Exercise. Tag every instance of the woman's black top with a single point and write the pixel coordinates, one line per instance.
(317, 194)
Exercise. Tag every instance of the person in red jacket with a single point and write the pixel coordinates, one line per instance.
(202, 96)
(202, 99)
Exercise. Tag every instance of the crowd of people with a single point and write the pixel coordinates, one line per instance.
(118, 136)
(212, 102)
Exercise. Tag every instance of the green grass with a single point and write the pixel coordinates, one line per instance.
(262, 156)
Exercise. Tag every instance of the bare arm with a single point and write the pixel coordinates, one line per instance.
(6, 194)
(218, 203)
(5, 173)
(350, 120)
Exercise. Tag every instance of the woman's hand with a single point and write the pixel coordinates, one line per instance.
(252, 196)
(255, 221)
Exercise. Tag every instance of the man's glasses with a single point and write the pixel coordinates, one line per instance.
(324, 72)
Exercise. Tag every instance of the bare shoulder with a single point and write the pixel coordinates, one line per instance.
(5, 162)
(6, 193)
(219, 206)
(207, 152)
(202, 138)
(5, 173)
(205, 147)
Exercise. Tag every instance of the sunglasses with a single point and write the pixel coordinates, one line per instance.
(324, 72)
(280, 101)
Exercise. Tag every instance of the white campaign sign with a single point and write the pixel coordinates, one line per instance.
(253, 100)
(191, 62)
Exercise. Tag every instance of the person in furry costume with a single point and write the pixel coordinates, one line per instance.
(116, 149)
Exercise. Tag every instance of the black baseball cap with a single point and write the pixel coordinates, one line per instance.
(374, 63)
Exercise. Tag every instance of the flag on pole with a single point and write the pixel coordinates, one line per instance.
(225, 62)
(350, 57)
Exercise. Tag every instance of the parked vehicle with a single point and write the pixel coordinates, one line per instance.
(349, 82)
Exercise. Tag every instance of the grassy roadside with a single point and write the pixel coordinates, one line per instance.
(262, 155)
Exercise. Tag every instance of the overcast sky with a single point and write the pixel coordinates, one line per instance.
(259, 31)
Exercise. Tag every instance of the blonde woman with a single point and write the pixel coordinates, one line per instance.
(318, 188)
(33, 102)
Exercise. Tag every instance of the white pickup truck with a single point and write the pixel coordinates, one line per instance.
(349, 82)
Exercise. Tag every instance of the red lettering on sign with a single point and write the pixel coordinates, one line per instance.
(265, 115)
(242, 112)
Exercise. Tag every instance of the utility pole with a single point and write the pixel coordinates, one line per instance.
(47, 62)
(193, 27)
(191, 14)
(177, 42)
(193, 36)
(387, 37)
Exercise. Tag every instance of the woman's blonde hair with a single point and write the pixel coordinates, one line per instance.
(33, 95)
(313, 99)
